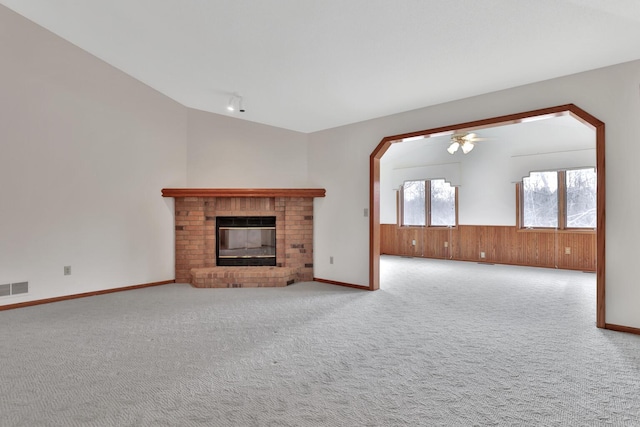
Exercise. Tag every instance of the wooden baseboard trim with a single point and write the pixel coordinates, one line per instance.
(620, 328)
(82, 295)
(348, 285)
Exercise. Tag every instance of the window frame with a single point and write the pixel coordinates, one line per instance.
(427, 198)
(562, 206)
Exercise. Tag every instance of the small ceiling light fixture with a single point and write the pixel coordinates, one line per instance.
(236, 103)
(414, 138)
(465, 141)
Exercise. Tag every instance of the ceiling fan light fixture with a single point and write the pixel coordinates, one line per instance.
(467, 147)
(464, 141)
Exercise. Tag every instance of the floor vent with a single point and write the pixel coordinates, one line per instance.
(14, 289)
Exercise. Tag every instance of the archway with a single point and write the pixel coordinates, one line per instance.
(574, 111)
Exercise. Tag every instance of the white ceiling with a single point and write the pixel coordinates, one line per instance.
(309, 65)
(551, 135)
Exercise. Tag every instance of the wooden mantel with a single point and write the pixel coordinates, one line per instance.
(243, 192)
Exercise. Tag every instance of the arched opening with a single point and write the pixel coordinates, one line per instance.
(574, 111)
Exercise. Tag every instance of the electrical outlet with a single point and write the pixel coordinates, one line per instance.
(567, 250)
(413, 243)
(366, 212)
(482, 255)
(446, 244)
(67, 270)
(330, 260)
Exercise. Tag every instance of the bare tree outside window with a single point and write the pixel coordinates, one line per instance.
(428, 202)
(413, 193)
(443, 203)
(581, 198)
(540, 200)
(545, 195)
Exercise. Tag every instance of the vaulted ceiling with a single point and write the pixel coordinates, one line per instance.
(550, 135)
(309, 65)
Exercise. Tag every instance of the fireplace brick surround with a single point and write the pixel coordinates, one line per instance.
(195, 235)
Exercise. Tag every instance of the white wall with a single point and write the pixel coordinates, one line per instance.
(85, 151)
(339, 161)
(228, 152)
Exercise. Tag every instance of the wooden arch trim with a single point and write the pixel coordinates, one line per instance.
(560, 110)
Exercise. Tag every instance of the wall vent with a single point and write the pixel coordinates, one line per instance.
(19, 288)
(5, 290)
(14, 289)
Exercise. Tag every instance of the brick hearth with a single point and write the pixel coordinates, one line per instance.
(195, 234)
(242, 277)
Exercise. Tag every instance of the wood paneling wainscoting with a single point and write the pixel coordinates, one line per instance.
(500, 244)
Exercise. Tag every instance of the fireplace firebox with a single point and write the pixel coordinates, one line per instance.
(246, 241)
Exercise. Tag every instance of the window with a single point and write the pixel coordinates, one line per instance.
(443, 204)
(428, 203)
(414, 206)
(540, 200)
(581, 198)
(558, 199)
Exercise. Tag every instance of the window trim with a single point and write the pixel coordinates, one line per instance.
(562, 208)
(427, 210)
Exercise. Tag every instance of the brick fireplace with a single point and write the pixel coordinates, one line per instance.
(196, 211)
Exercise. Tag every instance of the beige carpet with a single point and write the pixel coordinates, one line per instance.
(444, 343)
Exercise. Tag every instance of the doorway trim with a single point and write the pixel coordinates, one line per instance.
(571, 109)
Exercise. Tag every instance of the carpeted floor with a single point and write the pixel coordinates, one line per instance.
(444, 343)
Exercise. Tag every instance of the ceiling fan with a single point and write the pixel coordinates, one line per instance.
(466, 141)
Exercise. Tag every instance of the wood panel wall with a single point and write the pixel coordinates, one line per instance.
(501, 245)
